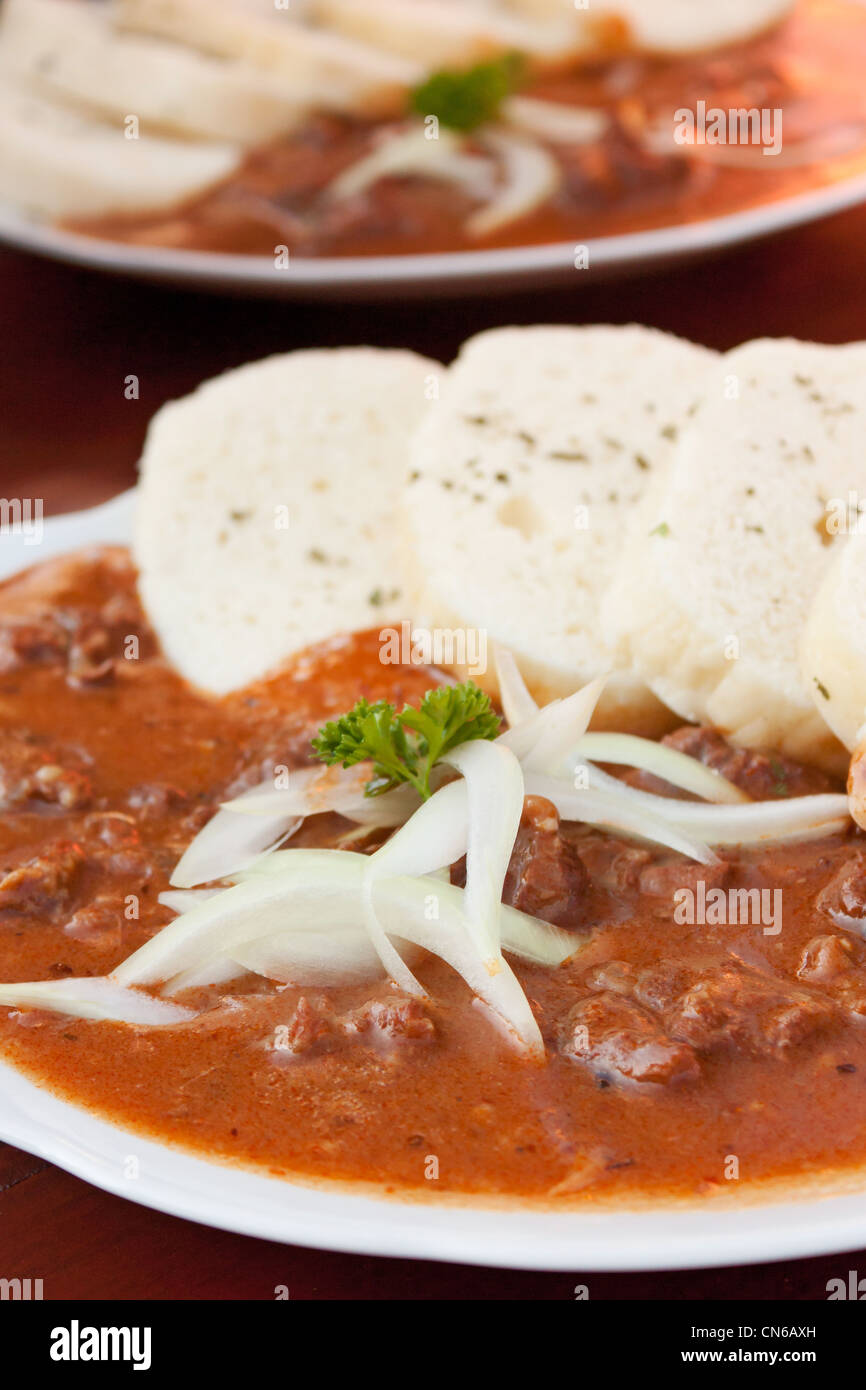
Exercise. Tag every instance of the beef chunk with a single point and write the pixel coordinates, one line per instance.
(844, 897)
(836, 964)
(670, 875)
(99, 923)
(825, 959)
(546, 876)
(155, 799)
(30, 641)
(308, 1026)
(616, 1036)
(29, 772)
(45, 883)
(763, 776)
(90, 657)
(609, 863)
(395, 1019)
(391, 1018)
(734, 1007)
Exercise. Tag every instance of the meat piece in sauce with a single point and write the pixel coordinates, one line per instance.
(30, 641)
(43, 884)
(611, 864)
(737, 1008)
(836, 964)
(394, 1019)
(391, 1018)
(762, 776)
(615, 1035)
(666, 878)
(844, 897)
(30, 772)
(546, 877)
(308, 1026)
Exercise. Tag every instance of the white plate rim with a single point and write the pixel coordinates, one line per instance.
(458, 270)
(331, 1218)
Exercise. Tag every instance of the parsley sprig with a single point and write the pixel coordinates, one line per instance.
(404, 745)
(463, 99)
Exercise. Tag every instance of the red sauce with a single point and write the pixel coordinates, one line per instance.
(777, 1076)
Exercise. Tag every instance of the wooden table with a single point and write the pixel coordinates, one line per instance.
(70, 338)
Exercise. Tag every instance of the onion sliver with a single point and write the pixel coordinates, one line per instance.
(603, 808)
(493, 779)
(344, 956)
(521, 738)
(761, 822)
(230, 842)
(668, 763)
(311, 791)
(214, 972)
(182, 899)
(531, 938)
(95, 997)
(433, 838)
(556, 121)
(514, 697)
(318, 892)
(531, 175)
(411, 151)
(311, 885)
(566, 723)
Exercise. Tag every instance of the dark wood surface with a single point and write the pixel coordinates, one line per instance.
(69, 340)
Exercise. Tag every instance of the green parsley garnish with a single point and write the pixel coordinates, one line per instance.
(464, 99)
(403, 746)
(661, 530)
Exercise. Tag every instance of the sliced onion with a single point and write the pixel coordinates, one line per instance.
(603, 808)
(494, 790)
(764, 822)
(670, 764)
(555, 121)
(340, 957)
(567, 722)
(530, 175)
(317, 893)
(218, 971)
(307, 894)
(312, 791)
(266, 816)
(514, 697)
(523, 737)
(761, 822)
(95, 997)
(531, 938)
(182, 899)
(228, 843)
(410, 151)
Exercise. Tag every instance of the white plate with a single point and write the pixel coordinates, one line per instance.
(330, 1219)
(457, 272)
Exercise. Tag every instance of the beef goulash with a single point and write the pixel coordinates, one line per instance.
(349, 911)
(336, 128)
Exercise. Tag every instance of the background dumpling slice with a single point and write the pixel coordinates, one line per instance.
(57, 161)
(70, 50)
